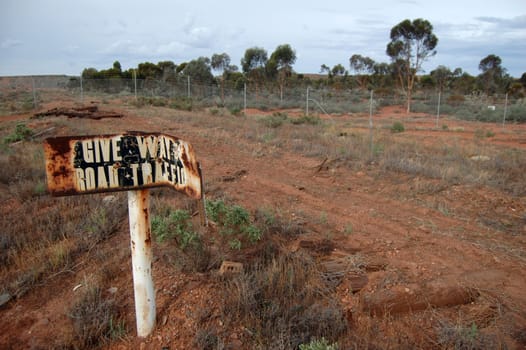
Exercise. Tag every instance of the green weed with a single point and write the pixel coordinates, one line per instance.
(22, 132)
(397, 127)
(319, 344)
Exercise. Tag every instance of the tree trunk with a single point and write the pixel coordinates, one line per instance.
(410, 83)
(223, 91)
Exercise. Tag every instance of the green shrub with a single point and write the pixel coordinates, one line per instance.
(516, 113)
(182, 103)
(22, 132)
(397, 127)
(235, 110)
(233, 221)
(159, 102)
(177, 225)
(321, 344)
(275, 120)
(306, 119)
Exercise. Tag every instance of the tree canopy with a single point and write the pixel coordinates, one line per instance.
(412, 42)
(199, 70)
(492, 73)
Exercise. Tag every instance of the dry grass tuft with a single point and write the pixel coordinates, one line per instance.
(283, 303)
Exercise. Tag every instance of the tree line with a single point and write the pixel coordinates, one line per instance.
(411, 44)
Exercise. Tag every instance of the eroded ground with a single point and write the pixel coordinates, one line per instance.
(435, 253)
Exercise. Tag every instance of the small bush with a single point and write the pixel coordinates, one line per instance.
(182, 103)
(174, 228)
(275, 120)
(206, 339)
(235, 110)
(397, 127)
(456, 336)
(273, 223)
(481, 133)
(95, 319)
(321, 344)
(233, 222)
(306, 119)
(284, 302)
(177, 225)
(22, 132)
(516, 113)
(455, 100)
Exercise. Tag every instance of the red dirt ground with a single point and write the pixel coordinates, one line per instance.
(420, 244)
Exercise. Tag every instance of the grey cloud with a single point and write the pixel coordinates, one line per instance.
(10, 43)
(518, 22)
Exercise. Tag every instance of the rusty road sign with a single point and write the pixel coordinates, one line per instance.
(131, 161)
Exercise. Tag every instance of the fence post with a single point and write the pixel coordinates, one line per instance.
(188, 84)
(307, 103)
(135, 82)
(34, 92)
(245, 98)
(141, 253)
(505, 110)
(371, 124)
(438, 108)
(81, 90)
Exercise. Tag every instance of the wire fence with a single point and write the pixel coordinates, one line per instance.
(19, 94)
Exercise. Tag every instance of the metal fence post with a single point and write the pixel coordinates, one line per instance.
(34, 92)
(81, 90)
(438, 108)
(141, 252)
(307, 103)
(371, 124)
(245, 98)
(135, 82)
(505, 110)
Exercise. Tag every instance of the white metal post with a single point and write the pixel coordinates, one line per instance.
(141, 252)
(505, 110)
(81, 90)
(371, 124)
(135, 82)
(188, 81)
(245, 98)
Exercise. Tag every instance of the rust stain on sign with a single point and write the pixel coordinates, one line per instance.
(107, 163)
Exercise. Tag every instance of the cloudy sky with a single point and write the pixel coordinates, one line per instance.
(66, 36)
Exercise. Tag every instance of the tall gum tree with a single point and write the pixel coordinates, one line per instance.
(411, 44)
(221, 63)
(282, 60)
(253, 65)
(363, 66)
(492, 73)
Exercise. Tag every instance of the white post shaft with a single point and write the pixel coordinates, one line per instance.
(141, 252)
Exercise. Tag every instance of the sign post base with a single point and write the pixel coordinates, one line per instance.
(141, 252)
